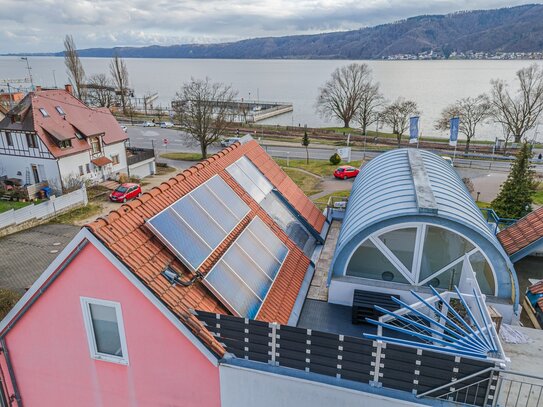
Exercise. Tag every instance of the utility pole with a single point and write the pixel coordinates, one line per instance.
(29, 73)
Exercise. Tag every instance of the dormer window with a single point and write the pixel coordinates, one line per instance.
(65, 144)
(79, 135)
(60, 111)
(44, 112)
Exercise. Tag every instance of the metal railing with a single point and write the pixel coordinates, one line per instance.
(139, 154)
(498, 223)
(492, 388)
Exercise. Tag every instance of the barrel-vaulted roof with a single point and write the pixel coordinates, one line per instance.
(410, 185)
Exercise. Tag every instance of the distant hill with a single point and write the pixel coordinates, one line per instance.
(514, 29)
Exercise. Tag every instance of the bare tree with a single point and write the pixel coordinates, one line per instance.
(100, 91)
(471, 111)
(202, 108)
(74, 67)
(341, 96)
(519, 112)
(370, 102)
(397, 114)
(119, 72)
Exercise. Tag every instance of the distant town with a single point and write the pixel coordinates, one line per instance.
(438, 54)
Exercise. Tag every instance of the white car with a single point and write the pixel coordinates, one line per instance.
(448, 159)
(165, 125)
(124, 128)
(148, 124)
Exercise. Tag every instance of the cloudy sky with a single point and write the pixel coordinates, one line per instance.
(40, 25)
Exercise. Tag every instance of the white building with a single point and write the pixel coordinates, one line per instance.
(52, 136)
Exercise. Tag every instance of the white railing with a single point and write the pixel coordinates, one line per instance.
(43, 210)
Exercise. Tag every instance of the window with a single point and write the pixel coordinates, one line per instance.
(87, 167)
(31, 140)
(44, 112)
(105, 330)
(79, 135)
(9, 139)
(115, 159)
(95, 145)
(65, 144)
(81, 170)
(60, 111)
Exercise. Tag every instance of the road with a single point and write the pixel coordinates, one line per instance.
(148, 137)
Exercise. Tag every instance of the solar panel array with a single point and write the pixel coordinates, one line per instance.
(195, 225)
(244, 275)
(250, 178)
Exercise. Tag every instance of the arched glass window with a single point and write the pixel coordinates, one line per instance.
(421, 254)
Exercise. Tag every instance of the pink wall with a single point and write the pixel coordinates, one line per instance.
(51, 358)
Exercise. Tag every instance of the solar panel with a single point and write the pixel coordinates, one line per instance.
(195, 225)
(244, 275)
(250, 178)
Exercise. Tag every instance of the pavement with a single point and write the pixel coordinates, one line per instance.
(25, 255)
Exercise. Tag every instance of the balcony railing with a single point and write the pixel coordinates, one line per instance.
(136, 154)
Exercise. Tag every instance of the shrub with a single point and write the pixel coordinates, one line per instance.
(335, 159)
(8, 299)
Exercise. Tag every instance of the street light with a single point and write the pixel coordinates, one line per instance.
(29, 73)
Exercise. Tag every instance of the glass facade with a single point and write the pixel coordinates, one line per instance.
(430, 255)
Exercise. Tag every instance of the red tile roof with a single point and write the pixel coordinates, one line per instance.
(124, 232)
(526, 231)
(537, 288)
(78, 117)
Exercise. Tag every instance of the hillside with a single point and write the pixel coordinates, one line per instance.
(515, 29)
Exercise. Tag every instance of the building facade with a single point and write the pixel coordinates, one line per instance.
(51, 136)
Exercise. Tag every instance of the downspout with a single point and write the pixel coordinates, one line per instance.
(16, 395)
(23, 311)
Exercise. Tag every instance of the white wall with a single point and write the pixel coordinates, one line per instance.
(242, 387)
(116, 149)
(69, 166)
(11, 164)
(143, 169)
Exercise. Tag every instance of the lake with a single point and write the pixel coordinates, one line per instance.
(432, 84)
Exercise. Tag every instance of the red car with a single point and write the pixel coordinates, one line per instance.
(125, 192)
(346, 171)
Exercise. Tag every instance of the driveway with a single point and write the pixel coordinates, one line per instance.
(25, 255)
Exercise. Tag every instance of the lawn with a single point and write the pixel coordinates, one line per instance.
(483, 205)
(78, 214)
(7, 205)
(307, 183)
(538, 197)
(321, 168)
(182, 156)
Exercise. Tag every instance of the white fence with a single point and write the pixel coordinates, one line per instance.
(43, 210)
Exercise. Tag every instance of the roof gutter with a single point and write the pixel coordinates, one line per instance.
(16, 394)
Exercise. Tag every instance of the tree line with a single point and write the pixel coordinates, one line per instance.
(351, 94)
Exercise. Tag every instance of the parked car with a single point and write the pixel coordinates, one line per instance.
(125, 192)
(166, 125)
(227, 142)
(148, 124)
(346, 171)
(124, 128)
(448, 159)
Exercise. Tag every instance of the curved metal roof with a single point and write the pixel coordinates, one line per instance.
(386, 190)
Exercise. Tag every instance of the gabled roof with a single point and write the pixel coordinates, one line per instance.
(523, 233)
(537, 288)
(124, 232)
(57, 127)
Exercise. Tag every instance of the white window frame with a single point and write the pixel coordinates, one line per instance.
(94, 354)
(413, 275)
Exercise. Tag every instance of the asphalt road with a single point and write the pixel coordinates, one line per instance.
(164, 140)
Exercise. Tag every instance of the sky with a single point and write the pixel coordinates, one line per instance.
(40, 25)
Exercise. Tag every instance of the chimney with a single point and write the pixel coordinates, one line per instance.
(69, 88)
(38, 88)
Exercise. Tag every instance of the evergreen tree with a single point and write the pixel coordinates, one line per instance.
(305, 143)
(515, 197)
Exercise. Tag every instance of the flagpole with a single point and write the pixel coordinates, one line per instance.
(454, 155)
